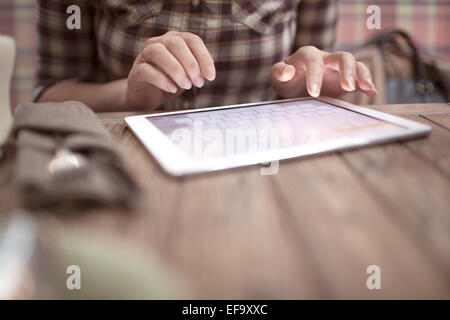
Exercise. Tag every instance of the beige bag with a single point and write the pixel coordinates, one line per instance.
(393, 59)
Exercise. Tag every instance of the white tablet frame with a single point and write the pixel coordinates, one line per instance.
(176, 163)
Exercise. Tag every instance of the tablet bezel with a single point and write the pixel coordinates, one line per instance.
(176, 163)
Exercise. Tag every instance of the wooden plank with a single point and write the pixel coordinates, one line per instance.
(152, 217)
(229, 238)
(435, 148)
(418, 108)
(414, 195)
(440, 119)
(117, 117)
(346, 229)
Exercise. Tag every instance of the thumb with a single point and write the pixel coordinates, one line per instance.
(282, 71)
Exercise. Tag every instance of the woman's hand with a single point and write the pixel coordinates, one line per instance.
(167, 65)
(313, 71)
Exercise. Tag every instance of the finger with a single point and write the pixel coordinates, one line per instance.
(364, 79)
(149, 74)
(314, 75)
(178, 47)
(344, 62)
(288, 81)
(310, 59)
(201, 54)
(283, 72)
(159, 55)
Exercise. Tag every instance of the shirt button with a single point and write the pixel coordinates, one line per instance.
(195, 3)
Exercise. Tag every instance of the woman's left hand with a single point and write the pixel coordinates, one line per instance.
(313, 71)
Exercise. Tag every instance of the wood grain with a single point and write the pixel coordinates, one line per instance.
(308, 232)
(436, 148)
(440, 119)
(413, 191)
(347, 229)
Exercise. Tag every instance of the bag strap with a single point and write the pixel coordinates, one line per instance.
(381, 40)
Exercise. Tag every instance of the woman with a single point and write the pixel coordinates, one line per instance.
(192, 54)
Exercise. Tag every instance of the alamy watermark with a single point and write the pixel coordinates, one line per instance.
(374, 280)
(202, 142)
(73, 281)
(74, 20)
(374, 20)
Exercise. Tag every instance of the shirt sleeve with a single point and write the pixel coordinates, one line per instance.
(63, 53)
(317, 24)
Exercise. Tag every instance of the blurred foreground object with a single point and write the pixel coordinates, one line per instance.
(38, 254)
(17, 246)
(109, 268)
(7, 54)
(61, 157)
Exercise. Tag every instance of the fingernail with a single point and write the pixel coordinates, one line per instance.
(365, 86)
(186, 83)
(351, 82)
(210, 73)
(315, 89)
(199, 81)
(171, 88)
(287, 73)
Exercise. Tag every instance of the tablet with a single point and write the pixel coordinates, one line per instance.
(201, 140)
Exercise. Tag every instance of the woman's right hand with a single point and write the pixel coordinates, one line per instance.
(167, 65)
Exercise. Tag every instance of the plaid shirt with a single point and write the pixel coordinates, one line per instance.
(245, 38)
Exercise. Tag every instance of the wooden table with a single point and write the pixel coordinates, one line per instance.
(309, 231)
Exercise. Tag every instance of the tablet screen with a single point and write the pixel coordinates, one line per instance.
(267, 127)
